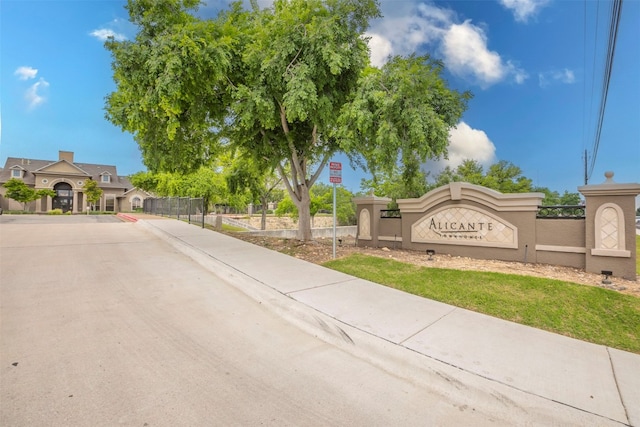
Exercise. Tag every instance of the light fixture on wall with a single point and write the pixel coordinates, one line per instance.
(606, 274)
(431, 253)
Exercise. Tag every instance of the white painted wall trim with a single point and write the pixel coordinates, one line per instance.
(567, 249)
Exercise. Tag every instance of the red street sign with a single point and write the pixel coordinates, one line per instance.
(335, 173)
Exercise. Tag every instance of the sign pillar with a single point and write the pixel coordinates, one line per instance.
(335, 177)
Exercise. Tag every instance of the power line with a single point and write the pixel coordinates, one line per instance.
(616, 9)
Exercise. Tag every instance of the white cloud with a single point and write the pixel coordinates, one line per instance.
(466, 54)
(26, 73)
(519, 75)
(462, 46)
(465, 143)
(103, 34)
(34, 94)
(564, 76)
(402, 36)
(524, 9)
(468, 143)
(380, 49)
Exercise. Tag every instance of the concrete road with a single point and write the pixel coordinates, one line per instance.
(104, 324)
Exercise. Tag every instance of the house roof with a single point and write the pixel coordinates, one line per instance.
(33, 167)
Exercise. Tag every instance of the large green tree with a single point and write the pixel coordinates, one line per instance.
(502, 176)
(271, 83)
(205, 182)
(400, 116)
(22, 193)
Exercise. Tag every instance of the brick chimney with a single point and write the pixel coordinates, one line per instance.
(66, 155)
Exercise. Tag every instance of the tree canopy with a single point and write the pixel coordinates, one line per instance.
(22, 193)
(504, 177)
(91, 191)
(288, 86)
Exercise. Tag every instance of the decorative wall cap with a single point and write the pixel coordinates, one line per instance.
(515, 202)
(371, 200)
(610, 188)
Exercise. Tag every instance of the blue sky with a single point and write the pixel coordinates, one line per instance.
(535, 68)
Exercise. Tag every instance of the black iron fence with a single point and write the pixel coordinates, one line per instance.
(544, 212)
(184, 208)
(561, 212)
(390, 213)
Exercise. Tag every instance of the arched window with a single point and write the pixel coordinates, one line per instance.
(136, 202)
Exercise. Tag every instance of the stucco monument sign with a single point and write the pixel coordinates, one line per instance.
(465, 225)
(463, 219)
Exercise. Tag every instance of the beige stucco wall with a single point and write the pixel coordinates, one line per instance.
(390, 228)
(603, 240)
(561, 232)
(525, 222)
(561, 242)
(126, 201)
(50, 180)
(619, 265)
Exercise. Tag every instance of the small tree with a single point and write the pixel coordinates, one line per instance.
(245, 175)
(92, 192)
(22, 193)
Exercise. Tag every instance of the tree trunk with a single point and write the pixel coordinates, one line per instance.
(263, 220)
(304, 215)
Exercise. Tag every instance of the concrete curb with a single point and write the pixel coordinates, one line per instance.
(404, 358)
(126, 217)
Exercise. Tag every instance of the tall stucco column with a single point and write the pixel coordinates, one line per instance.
(38, 205)
(368, 214)
(74, 208)
(610, 227)
(49, 203)
(81, 202)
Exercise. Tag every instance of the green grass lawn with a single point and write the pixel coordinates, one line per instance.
(587, 313)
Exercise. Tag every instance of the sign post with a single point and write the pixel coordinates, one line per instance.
(335, 177)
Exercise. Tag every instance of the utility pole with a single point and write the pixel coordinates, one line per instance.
(585, 167)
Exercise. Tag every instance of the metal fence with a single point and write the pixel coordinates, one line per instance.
(561, 212)
(184, 208)
(544, 212)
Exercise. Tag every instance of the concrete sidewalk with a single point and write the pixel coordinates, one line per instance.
(586, 378)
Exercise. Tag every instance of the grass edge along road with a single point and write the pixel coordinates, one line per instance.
(587, 313)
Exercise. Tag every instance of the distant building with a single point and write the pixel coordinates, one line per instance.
(67, 178)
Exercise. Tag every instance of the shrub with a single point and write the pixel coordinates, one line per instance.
(55, 212)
